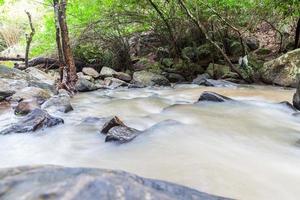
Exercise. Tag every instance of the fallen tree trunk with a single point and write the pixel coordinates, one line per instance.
(12, 59)
(52, 63)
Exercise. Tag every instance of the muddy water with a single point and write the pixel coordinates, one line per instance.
(241, 150)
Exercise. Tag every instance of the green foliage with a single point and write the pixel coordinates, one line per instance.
(100, 29)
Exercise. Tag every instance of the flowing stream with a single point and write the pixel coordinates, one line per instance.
(244, 150)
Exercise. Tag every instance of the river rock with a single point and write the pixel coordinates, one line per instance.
(25, 107)
(83, 85)
(112, 122)
(213, 97)
(4, 93)
(136, 85)
(113, 83)
(150, 79)
(81, 75)
(107, 72)
(31, 93)
(12, 84)
(282, 71)
(201, 78)
(116, 130)
(53, 182)
(296, 98)
(35, 120)
(60, 102)
(12, 73)
(216, 83)
(40, 75)
(288, 105)
(175, 78)
(121, 134)
(27, 79)
(123, 76)
(90, 72)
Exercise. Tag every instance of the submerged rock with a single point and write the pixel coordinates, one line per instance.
(150, 79)
(213, 97)
(52, 182)
(115, 121)
(121, 134)
(60, 102)
(288, 105)
(35, 120)
(116, 130)
(282, 71)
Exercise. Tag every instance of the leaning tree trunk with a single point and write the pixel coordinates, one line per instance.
(71, 76)
(28, 39)
(169, 27)
(297, 35)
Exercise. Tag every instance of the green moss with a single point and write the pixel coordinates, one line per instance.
(9, 64)
(263, 51)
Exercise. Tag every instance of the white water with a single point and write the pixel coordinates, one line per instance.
(243, 151)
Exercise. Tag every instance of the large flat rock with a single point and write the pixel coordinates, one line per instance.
(51, 182)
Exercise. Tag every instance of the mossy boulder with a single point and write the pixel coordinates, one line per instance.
(282, 71)
(150, 79)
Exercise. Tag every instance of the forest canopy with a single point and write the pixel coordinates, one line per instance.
(100, 29)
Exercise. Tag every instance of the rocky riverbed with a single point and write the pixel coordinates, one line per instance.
(229, 140)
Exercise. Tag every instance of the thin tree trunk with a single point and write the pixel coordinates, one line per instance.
(297, 35)
(167, 24)
(58, 40)
(67, 52)
(28, 39)
(203, 30)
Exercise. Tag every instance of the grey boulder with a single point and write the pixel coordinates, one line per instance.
(60, 102)
(150, 79)
(35, 120)
(58, 183)
(213, 97)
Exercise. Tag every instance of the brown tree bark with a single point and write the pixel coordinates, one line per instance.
(58, 40)
(28, 39)
(69, 76)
